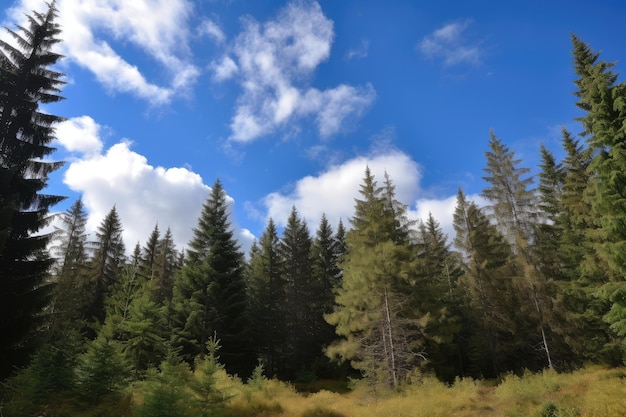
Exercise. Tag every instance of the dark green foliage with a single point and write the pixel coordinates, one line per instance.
(165, 265)
(487, 294)
(26, 81)
(107, 262)
(603, 100)
(266, 288)
(103, 370)
(436, 275)
(72, 289)
(300, 289)
(210, 292)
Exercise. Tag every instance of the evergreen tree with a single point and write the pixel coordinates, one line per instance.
(25, 135)
(326, 252)
(107, 262)
(437, 274)
(210, 291)
(300, 292)
(70, 295)
(603, 100)
(549, 230)
(267, 300)
(165, 265)
(488, 293)
(370, 312)
(149, 253)
(583, 269)
(513, 206)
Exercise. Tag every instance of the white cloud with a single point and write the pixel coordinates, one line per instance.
(450, 45)
(333, 191)
(144, 195)
(80, 134)
(274, 62)
(224, 69)
(158, 27)
(212, 29)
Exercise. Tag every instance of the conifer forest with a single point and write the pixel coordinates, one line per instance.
(530, 289)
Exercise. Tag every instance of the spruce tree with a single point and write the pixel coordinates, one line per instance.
(27, 81)
(165, 265)
(107, 262)
(71, 291)
(370, 313)
(210, 292)
(266, 288)
(436, 277)
(603, 100)
(487, 290)
(326, 252)
(549, 229)
(514, 210)
(300, 292)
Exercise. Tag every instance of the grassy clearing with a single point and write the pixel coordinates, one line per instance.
(592, 392)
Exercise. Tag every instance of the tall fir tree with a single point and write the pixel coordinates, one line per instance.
(266, 288)
(210, 291)
(27, 81)
(326, 253)
(107, 262)
(166, 263)
(437, 274)
(300, 292)
(603, 100)
(514, 208)
(370, 313)
(70, 295)
(548, 232)
(488, 293)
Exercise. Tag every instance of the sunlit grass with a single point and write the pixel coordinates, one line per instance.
(592, 392)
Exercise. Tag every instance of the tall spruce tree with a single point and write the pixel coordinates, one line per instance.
(210, 291)
(603, 100)
(437, 275)
(514, 210)
(70, 295)
(106, 265)
(26, 82)
(326, 252)
(266, 289)
(549, 229)
(300, 293)
(370, 313)
(487, 290)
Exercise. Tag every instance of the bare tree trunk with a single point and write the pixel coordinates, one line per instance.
(392, 359)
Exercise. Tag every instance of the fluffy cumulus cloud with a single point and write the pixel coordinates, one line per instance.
(144, 195)
(450, 44)
(273, 62)
(333, 191)
(157, 27)
(80, 134)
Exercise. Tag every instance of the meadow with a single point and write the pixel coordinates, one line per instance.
(589, 392)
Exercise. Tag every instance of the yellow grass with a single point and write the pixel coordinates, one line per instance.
(592, 392)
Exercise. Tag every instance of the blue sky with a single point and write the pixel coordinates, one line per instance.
(287, 102)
